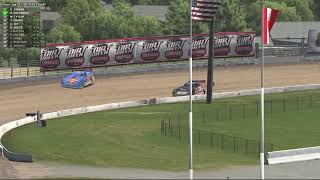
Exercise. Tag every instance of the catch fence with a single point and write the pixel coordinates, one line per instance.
(174, 124)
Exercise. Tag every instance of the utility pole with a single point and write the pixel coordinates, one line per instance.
(210, 62)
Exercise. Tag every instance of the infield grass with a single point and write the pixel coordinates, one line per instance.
(131, 137)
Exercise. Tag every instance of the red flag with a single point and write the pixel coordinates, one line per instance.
(269, 18)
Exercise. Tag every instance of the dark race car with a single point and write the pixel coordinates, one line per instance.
(198, 88)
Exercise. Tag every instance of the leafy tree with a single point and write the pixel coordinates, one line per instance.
(23, 55)
(315, 4)
(75, 12)
(56, 5)
(231, 16)
(63, 33)
(178, 19)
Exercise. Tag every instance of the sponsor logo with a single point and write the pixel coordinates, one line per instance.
(50, 58)
(75, 56)
(124, 52)
(199, 47)
(318, 40)
(244, 44)
(100, 54)
(222, 45)
(151, 50)
(72, 81)
(174, 48)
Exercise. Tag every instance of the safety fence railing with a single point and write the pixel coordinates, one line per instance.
(218, 141)
(31, 68)
(175, 124)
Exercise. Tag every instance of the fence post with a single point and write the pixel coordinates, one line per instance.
(297, 103)
(244, 111)
(165, 129)
(310, 101)
(28, 65)
(179, 127)
(257, 108)
(222, 142)
(203, 117)
(234, 144)
(211, 139)
(161, 127)
(284, 104)
(199, 137)
(271, 106)
(246, 146)
(217, 115)
(171, 129)
(230, 112)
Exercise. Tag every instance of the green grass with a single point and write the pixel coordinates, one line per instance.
(131, 137)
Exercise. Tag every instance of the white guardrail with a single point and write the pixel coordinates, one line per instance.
(14, 124)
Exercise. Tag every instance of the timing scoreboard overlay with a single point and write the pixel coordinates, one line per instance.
(21, 24)
(159, 49)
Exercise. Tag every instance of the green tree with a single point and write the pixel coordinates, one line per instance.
(56, 5)
(315, 4)
(27, 54)
(63, 33)
(75, 12)
(178, 19)
(231, 16)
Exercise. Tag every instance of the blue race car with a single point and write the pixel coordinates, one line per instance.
(78, 80)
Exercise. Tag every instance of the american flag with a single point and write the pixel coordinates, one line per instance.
(204, 10)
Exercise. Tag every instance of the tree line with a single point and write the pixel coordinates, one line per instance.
(89, 20)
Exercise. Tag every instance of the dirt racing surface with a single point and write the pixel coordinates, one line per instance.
(46, 96)
(17, 99)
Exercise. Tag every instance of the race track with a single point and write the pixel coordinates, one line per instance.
(19, 98)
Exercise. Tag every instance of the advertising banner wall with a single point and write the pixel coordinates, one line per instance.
(313, 43)
(144, 50)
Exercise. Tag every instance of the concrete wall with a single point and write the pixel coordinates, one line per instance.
(69, 112)
(112, 71)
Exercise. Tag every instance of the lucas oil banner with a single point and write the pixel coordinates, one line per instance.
(313, 43)
(144, 50)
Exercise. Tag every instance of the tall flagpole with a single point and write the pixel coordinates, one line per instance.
(190, 96)
(262, 94)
